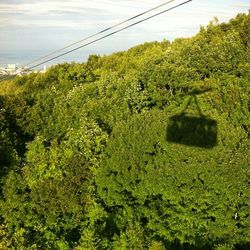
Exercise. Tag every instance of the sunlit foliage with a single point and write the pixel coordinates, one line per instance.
(110, 154)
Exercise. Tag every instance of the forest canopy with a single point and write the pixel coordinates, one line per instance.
(142, 149)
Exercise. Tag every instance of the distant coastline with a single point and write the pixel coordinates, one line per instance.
(23, 57)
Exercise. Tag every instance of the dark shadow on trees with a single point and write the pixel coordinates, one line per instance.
(242, 246)
(192, 130)
(205, 246)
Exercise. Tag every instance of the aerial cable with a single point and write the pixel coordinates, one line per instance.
(110, 34)
(98, 33)
(103, 37)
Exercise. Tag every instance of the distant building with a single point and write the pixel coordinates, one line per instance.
(9, 70)
(44, 69)
(12, 69)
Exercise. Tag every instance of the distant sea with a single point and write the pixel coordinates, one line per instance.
(21, 58)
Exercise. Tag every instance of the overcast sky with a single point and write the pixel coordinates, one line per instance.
(46, 25)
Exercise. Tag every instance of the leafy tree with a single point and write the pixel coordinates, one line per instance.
(87, 160)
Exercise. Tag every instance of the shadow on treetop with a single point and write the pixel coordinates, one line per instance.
(192, 129)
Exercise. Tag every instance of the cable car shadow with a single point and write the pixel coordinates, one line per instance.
(192, 130)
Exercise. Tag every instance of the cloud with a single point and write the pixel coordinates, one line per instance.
(77, 6)
(9, 2)
(74, 19)
(74, 14)
(241, 6)
(77, 15)
(83, 12)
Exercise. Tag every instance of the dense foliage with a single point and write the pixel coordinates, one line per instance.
(142, 149)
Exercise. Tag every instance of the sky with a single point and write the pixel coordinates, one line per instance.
(32, 28)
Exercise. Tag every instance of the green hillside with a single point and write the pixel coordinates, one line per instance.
(142, 149)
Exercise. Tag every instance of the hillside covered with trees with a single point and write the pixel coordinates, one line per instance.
(142, 149)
